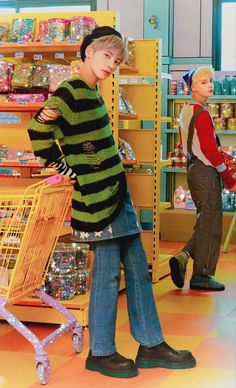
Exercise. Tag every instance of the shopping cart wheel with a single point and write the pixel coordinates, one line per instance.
(77, 340)
(44, 372)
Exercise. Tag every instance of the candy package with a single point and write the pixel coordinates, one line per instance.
(58, 74)
(4, 30)
(58, 29)
(4, 77)
(40, 76)
(80, 26)
(22, 29)
(22, 76)
(43, 31)
(31, 97)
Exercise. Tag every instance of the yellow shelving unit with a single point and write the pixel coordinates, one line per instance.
(15, 136)
(142, 87)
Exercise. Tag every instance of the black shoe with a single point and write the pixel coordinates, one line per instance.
(113, 366)
(164, 356)
(205, 282)
(178, 266)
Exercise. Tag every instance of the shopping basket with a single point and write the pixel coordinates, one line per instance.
(30, 222)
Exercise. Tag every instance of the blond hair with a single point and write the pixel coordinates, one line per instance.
(202, 71)
(111, 42)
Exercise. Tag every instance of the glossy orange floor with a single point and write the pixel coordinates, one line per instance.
(204, 322)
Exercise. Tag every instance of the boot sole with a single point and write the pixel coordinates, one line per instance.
(175, 273)
(164, 364)
(124, 374)
(206, 288)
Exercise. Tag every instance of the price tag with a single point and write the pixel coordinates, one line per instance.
(1, 56)
(123, 81)
(78, 54)
(22, 103)
(38, 57)
(2, 43)
(47, 43)
(133, 81)
(59, 55)
(21, 42)
(19, 55)
(72, 42)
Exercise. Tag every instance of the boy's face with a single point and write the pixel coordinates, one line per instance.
(102, 62)
(203, 85)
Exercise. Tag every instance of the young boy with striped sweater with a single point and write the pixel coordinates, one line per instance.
(102, 211)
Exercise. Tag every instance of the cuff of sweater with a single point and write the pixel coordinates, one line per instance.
(62, 168)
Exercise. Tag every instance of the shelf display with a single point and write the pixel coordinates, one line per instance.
(49, 64)
(141, 87)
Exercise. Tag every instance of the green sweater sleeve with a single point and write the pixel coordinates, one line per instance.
(43, 131)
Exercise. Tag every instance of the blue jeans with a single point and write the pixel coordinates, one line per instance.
(144, 321)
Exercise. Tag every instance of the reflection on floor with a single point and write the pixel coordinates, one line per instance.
(204, 322)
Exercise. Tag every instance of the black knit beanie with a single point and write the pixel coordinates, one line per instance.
(95, 34)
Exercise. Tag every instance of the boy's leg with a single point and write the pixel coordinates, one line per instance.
(144, 321)
(103, 357)
(104, 296)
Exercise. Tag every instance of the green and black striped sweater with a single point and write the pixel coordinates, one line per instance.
(84, 134)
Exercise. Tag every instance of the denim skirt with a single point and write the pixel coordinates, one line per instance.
(125, 224)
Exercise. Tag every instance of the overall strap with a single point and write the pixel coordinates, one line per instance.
(191, 131)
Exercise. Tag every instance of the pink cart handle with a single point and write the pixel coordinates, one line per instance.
(54, 179)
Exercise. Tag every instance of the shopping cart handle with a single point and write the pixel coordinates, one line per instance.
(54, 179)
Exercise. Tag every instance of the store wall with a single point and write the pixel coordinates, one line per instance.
(131, 15)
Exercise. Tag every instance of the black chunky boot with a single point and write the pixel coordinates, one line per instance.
(113, 366)
(164, 356)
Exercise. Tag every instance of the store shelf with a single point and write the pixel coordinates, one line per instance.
(174, 170)
(127, 116)
(128, 69)
(20, 106)
(34, 50)
(212, 98)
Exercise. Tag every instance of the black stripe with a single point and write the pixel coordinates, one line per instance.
(85, 169)
(78, 105)
(86, 127)
(95, 187)
(50, 154)
(35, 135)
(97, 145)
(98, 226)
(96, 207)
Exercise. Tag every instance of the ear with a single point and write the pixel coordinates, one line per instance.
(88, 52)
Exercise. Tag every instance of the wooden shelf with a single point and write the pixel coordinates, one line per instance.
(212, 98)
(127, 116)
(20, 106)
(128, 69)
(174, 169)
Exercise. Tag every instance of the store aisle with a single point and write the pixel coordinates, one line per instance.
(204, 322)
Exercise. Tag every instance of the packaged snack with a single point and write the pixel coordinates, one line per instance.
(58, 74)
(4, 30)
(4, 77)
(22, 29)
(14, 97)
(58, 29)
(40, 76)
(22, 76)
(80, 26)
(43, 31)
(179, 198)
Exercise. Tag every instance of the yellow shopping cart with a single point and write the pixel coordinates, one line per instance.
(30, 222)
